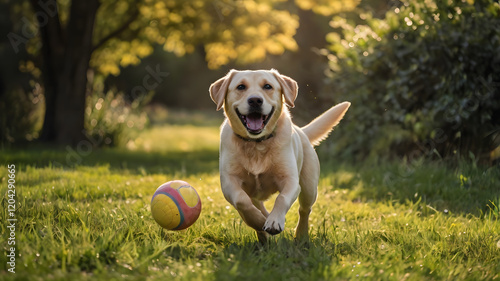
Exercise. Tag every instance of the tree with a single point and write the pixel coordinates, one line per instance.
(66, 54)
(104, 35)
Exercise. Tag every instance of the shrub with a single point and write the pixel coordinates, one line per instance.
(110, 118)
(423, 80)
(21, 115)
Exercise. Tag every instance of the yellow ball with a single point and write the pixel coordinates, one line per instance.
(175, 205)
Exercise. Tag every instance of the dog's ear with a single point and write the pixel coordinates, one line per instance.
(289, 87)
(218, 89)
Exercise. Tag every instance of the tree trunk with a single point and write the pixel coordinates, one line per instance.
(66, 55)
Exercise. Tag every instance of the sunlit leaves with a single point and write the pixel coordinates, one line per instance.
(327, 7)
(120, 53)
(255, 29)
(241, 31)
(220, 53)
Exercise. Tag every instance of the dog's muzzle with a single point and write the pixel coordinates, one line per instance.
(255, 121)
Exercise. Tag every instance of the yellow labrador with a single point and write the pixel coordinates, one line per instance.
(262, 152)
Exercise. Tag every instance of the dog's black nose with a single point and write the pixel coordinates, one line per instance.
(255, 102)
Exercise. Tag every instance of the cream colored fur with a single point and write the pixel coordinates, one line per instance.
(279, 159)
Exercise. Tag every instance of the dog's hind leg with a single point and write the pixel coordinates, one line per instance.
(308, 192)
(250, 214)
(306, 201)
(260, 205)
(261, 235)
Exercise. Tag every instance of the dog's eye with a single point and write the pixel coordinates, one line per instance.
(241, 87)
(268, 87)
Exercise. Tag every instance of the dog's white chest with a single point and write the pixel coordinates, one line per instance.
(256, 166)
(254, 158)
(259, 186)
(260, 147)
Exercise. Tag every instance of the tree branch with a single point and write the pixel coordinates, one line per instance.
(118, 31)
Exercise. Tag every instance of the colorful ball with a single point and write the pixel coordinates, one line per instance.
(175, 205)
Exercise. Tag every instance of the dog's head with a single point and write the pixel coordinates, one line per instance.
(253, 100)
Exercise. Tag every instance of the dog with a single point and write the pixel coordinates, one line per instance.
(262, 152)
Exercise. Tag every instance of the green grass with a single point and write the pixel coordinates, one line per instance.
(87, 217)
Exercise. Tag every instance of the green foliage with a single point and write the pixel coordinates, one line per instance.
(328, 7)
(125, 32)
(21, 115)
(242, 31)
(92, 221)
(113, 121)
(423, 80)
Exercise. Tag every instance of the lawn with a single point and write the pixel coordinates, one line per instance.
(85, 215)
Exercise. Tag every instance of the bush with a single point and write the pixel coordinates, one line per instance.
(110, 118)
(21, 115)
(423, 80)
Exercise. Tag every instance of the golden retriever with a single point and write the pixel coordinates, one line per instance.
(262, 152)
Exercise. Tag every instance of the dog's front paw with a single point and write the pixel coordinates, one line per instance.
(274, 224)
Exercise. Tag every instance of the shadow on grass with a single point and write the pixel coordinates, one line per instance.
(464, 188)
(280, 259)
(140, 162)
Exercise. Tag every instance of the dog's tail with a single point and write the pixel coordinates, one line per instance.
(320, 127)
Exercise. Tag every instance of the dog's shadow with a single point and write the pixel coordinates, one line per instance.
(280, 258)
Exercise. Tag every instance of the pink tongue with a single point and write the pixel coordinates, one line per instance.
(255, 122)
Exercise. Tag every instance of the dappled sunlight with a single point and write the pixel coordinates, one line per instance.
(227, 29)
(176, 138)
(260, 30)
(328, 7)
(110, 119)
(343, 179)
(434, 187)
(363, 219)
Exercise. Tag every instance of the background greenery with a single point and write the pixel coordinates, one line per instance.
(422, 75)
(426, 77)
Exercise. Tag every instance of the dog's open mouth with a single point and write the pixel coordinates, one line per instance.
(255, 122)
